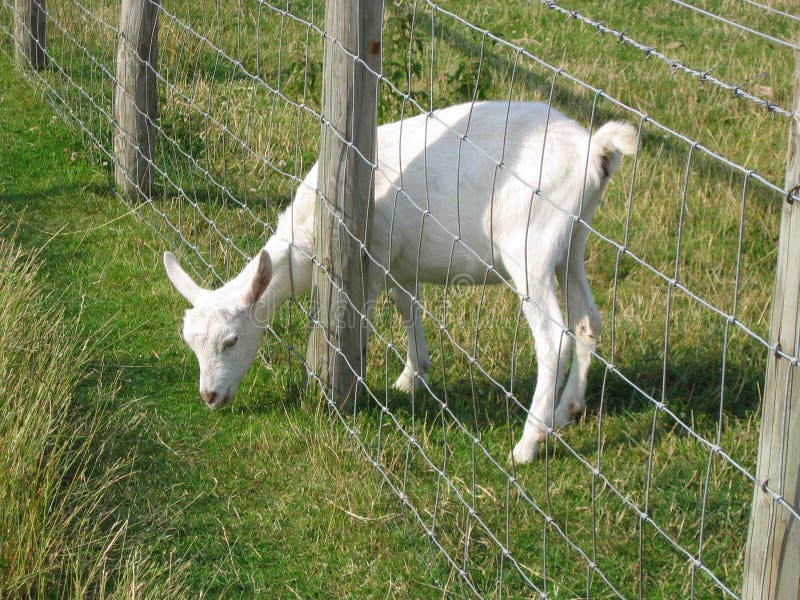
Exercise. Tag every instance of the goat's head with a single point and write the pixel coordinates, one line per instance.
(222, 327)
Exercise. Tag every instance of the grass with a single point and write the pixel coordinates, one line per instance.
(205, 494)
(61, 534)
(268, 498)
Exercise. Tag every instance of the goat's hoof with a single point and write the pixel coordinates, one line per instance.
(406, 383)
(576, 409)
(403, 386)
(523, 453)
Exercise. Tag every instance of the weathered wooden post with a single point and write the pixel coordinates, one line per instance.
(30, 34)
(136, 97)
(343, 216)
(772, 556)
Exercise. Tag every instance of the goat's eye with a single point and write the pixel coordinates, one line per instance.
(230, 343)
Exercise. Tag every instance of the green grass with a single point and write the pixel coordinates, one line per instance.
(246, 499)
(61, 531)
(268, 497)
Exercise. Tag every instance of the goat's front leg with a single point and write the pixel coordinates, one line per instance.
(417, 359)
(552, 352)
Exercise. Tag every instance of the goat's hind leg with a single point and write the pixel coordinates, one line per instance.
(417, 359)
(552, 353)
(584, 322)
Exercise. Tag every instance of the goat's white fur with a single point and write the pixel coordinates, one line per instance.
(443, 209)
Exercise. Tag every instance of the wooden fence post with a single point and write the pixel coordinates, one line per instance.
(343, 215)
(30, 34)
(136, 97)
(772, 556)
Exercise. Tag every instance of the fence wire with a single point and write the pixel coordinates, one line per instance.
(702, 75)
(649, 493)
(733, 23)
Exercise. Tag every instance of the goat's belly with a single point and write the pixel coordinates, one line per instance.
(467, 272)
(432, 254)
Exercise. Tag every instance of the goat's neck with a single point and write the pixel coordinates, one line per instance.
(291, 270)
(289, 248)
(291, 267)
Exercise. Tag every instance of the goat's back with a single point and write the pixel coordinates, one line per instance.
(473, 185)
(458, 189)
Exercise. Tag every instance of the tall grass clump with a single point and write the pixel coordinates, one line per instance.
(60, 536)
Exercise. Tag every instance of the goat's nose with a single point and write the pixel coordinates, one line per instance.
(208, 396)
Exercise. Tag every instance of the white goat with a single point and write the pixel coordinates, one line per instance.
(483, 192)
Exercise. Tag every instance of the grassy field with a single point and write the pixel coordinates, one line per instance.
(269, 497)
(65, 435)
(263, 499)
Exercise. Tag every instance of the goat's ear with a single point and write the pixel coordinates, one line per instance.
(260, 280)
(181, 280)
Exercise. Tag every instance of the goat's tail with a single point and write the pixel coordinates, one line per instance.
(609, 142)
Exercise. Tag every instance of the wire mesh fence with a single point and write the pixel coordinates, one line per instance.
(649, 494)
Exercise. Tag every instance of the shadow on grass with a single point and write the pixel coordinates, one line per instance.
(695, 395)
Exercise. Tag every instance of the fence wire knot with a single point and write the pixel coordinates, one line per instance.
(790, 195)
